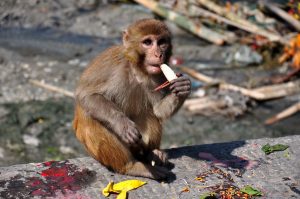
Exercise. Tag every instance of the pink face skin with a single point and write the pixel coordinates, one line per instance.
(155, 48)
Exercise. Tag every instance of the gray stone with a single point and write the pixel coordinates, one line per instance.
(277, 175)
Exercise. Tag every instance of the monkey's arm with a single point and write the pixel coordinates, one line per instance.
(180, 89)
(109, 115)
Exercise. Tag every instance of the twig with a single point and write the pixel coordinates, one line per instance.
(279, 90)
(261, 93)
(199, 76)
(222, 85)
(206, 13)
(211, 104)
(286, 77)
(198, 100)
(235, 18)
(184, 22)
(51, 88)
(284, 114)
(281, 13)
(248, 92)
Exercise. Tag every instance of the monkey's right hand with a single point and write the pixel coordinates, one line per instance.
(128, 133)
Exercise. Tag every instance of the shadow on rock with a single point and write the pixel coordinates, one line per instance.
(219, 154)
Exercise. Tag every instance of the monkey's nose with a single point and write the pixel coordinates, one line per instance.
(158, 55)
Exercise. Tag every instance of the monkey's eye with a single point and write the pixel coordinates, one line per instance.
(162, 42)
(147, 42)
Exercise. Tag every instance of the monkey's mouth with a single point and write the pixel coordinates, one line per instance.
(154, 68)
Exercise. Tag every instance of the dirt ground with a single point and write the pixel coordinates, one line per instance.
(53, 41)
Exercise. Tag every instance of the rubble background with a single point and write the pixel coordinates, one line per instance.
(53, 41)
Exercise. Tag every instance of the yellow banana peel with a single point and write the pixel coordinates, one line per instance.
(122, 188)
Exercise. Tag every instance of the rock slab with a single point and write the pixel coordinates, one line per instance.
(235, 164)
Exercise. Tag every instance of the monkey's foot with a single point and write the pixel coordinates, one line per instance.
(148, 171)
(158, 158)
(161, 173)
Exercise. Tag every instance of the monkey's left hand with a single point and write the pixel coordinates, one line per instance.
(181, 86)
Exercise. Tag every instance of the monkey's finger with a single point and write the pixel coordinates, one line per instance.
(133, 143)
(180, 78)
(134, 139)
(180, 82)
(179, 74)
(185, 87)
(183, 94)
(129, 140)
(181, 89)
(163, 158)
(134, 133)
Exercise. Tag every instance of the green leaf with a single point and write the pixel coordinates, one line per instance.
(287, 155)
(251, 191)
(210, 195)
(277, 147)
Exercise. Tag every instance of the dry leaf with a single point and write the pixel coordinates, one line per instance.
(296, 60)
(122, 188)
(185, 189)
(292, 51)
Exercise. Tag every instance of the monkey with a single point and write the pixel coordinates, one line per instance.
(118, 115)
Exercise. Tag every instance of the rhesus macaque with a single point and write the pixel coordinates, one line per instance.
(118, 114)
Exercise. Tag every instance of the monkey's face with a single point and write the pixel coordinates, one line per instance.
(156, 50)
(148, 45)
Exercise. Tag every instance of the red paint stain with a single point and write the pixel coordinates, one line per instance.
(55, 172)
(47, 164)
(59, 177)
(59, 180)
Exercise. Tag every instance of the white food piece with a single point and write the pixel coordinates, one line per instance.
(168, 72)
(152, 163)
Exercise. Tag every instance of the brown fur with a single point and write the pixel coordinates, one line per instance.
(115, 94)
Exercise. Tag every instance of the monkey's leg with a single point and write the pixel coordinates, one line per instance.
(105, 147)
(116, 155)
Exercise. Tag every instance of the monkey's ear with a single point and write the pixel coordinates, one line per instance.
(125, 38)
